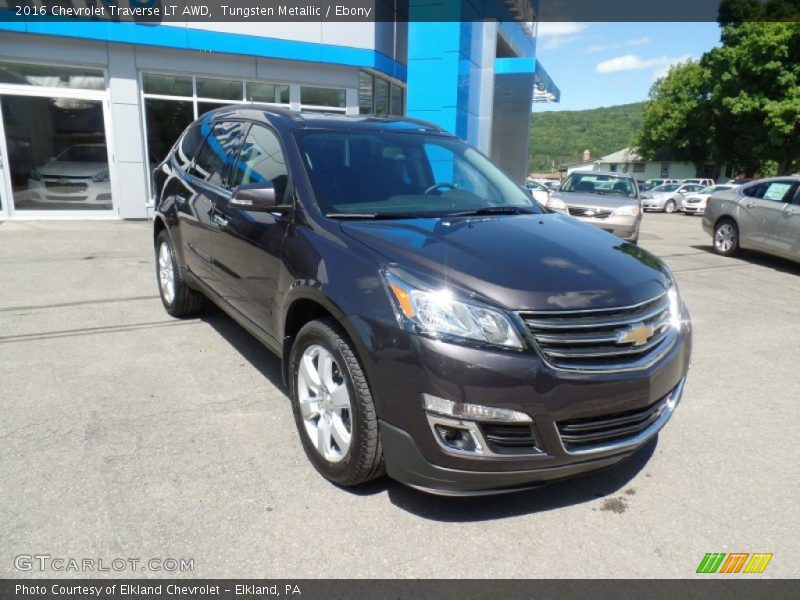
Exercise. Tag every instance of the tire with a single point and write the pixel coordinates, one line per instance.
(669, 206)
(179, 299)
(324, 415)
(726, 237)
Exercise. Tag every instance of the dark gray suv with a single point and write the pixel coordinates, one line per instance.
(434, 323)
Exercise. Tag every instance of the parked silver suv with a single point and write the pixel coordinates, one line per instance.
(605, 199)
(762, 215)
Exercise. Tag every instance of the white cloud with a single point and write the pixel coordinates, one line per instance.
(556, 34)
(631, 62)
(632, 42)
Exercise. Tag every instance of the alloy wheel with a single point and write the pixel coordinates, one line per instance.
(325, 403)
(725, 237)
(166, 273)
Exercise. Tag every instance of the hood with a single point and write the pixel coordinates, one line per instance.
(57, 168)
(522, 262)
(594, 200)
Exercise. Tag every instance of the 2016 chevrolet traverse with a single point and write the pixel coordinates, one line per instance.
(433, 322)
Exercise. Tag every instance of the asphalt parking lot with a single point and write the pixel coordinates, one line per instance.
(129, 434)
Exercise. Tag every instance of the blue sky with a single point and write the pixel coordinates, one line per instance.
(604, 64)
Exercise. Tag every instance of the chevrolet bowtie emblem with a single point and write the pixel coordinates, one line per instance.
(637, 334)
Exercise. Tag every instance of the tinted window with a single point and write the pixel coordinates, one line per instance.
(218, 152)
(260, 161)
(755, 191)
(187, 149)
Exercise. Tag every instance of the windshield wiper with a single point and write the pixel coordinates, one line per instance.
(493, 210)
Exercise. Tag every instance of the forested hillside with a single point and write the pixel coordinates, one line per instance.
(561, 137)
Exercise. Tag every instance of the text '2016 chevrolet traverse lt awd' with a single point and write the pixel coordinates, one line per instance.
(434, 323)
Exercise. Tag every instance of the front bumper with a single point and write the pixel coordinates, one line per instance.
(626, 228)
(517, 381)
(409, 466)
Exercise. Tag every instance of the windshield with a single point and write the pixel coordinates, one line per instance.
(92, 154)
(392, 173)
(592, 183)
(667, 187)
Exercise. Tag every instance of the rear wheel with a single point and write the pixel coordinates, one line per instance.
(333, 407)
(178, 299)
(726, 238)
(669, 207)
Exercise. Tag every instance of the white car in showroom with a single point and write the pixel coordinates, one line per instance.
(695, 204)
(79, 174)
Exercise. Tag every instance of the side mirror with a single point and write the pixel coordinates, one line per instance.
(256, 197)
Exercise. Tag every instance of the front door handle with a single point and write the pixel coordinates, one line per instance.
(221, 221)
(751, 205)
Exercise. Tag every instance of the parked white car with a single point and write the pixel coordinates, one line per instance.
(78, 174)
(539, 191)
(703, 182)
(695, 204)
(668, 197)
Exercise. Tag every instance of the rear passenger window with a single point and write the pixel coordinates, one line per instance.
(187, 149)
(218, 152)
(261, 160)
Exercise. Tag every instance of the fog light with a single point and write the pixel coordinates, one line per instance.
(456, 438)
(473, 412)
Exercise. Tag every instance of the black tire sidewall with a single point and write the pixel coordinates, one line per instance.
(317, 333)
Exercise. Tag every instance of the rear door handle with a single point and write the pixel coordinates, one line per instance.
(221, 221)
(751, 205)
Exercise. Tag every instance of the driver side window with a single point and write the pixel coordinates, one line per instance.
(261, 160)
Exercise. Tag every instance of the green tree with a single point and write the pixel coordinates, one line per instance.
(739, 104)
(755, 95)
(677, 117)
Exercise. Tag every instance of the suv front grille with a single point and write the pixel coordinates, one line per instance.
(588, 433)
(517, 438)
(585, 211)
(604, 339)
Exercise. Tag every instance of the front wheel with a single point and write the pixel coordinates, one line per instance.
(669, 207)
(333, 407)
(726, 238)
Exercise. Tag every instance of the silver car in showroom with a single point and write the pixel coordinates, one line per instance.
(668, 197)
(606, 199)
(763, 215)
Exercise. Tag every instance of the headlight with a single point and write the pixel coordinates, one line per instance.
(101, 177)
(557, 204)
(35, 175)
(674, 307)
(627, 211)
(439, 313)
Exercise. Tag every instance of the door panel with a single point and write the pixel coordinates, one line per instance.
(247, 253)
(786, 240)
(760, 211)
(207, 175)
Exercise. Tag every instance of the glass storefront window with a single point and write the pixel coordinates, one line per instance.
(365, 93)
(315, 96)
(396, 106)
(381, 97)
(57, 153)
(165, 120)
(167, 85)
(267, 92)
(52, 76)
(224, 89)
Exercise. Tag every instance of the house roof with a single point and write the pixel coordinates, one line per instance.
(625, 155)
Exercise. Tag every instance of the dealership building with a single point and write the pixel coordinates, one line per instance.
(88, 108)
